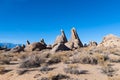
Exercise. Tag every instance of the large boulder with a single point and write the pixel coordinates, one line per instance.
(75, 41)
(60, 47)
(110, 41)
(60, 39)
(36, 46)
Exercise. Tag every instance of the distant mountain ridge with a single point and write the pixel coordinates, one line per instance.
(8, 45)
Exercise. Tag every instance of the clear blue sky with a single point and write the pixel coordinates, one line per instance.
(35, 19)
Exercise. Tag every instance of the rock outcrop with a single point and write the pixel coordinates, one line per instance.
(60, 47)
(92, 43)
(62, 44)
(28, 42)
(36, 46)
(75, 41)
(60, 39)
(18, 49)
(110, 41)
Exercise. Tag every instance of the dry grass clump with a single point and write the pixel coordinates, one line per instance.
(21, 72)
(84, 59)
(45, 68)
(108, 70)
(34, 60)
(2, 69)
(74, 69)
(4, 59)
(58, 57)
(57, 76)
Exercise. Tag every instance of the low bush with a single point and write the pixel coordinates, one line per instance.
(32, 61)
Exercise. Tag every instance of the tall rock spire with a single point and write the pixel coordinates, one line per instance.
(61, 38)
(75, 38)
(75, 41)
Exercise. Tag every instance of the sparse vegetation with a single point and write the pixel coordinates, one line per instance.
(5, 59)
(2, 69)
(108, 70)
(32, 61)
(21, 72)
(74, 69)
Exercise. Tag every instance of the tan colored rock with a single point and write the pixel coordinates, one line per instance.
(75, 41)
(110, 41)
(60, 47)
(92, 43)
(61, 38)
(36, 46)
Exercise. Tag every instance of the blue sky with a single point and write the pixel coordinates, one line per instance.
(22, 20)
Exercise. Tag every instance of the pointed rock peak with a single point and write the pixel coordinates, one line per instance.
(73, 28)
(63, 36)
(74, 33)
(43, 42)
(28, 42)
(75, 38)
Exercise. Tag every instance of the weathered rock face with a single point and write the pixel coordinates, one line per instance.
(92, 43)
(75, 41)
(110, 41)
(36, 46)
(60, 47)
(60, 39)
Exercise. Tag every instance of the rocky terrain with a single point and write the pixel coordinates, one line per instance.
(63, 60)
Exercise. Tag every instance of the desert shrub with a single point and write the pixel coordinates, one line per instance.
(5, 59)
(59, 57)
(115, 60)
(45, 68)
(84, 59)
(59, 77)
(108, 70)
(21, 72)
(32, 61)
(43, 78)
(73, 69)
(55, 58)
(2, 70)
(55, 77)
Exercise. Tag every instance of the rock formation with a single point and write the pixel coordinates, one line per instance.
(36, 46)
(61, 42)
(43, 42)
(60, 39)
(75, 41)
(110, 41)
(60, 47)
(18, 48)
(28, 42)
(92, 43)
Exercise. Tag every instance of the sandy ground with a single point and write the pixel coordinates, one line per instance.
(94, 72)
